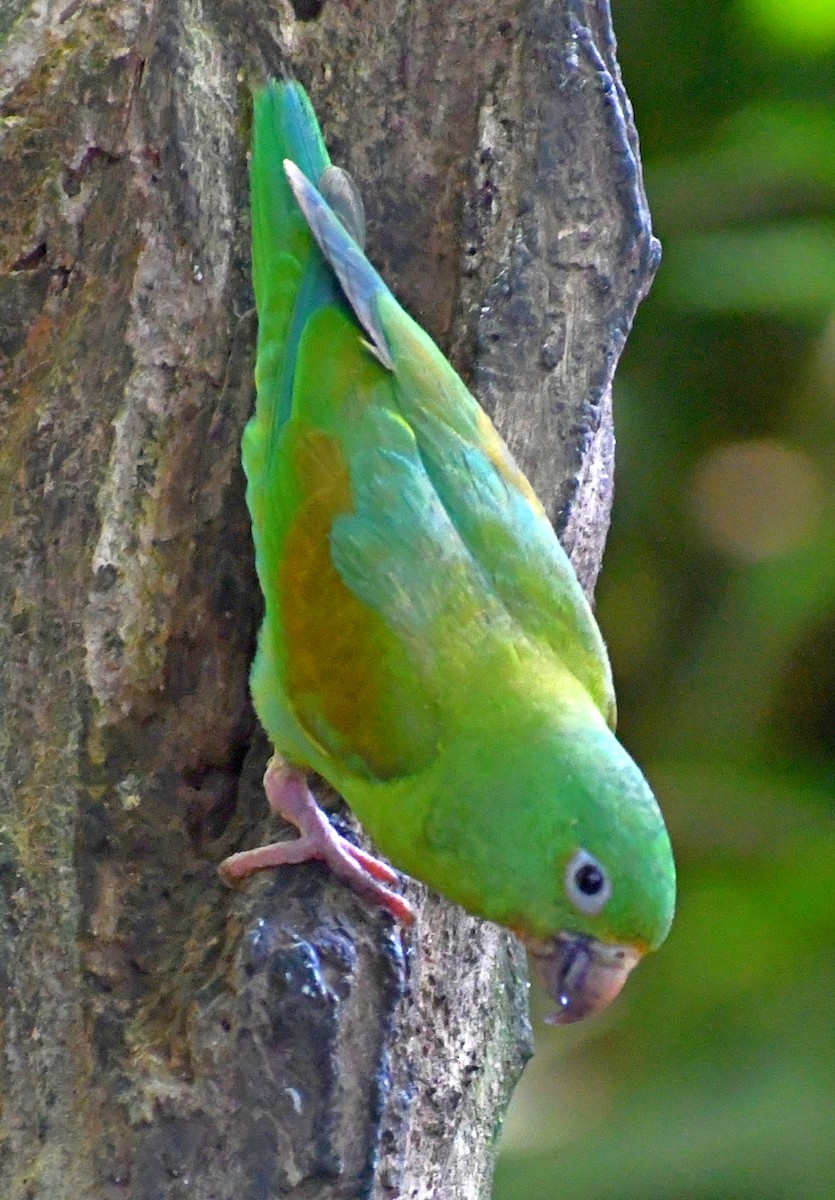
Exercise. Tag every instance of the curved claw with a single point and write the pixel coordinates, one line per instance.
(374, 867)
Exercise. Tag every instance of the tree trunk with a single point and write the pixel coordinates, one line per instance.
(164, 1037)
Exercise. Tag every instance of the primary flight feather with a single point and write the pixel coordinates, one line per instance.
(426, 646)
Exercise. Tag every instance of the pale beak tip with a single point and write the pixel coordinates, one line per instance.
(583, 975)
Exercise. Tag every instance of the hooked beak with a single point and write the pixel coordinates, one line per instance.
(582, 974)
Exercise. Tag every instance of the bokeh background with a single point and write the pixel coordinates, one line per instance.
(713, 1077)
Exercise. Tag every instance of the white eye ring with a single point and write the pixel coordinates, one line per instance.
(587, 884)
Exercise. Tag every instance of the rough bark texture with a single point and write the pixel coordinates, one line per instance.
(161, 1036)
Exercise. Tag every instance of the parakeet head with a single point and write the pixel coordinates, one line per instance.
(583, 871)
(614, 891)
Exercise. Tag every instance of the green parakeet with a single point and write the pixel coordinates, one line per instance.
(426, 646)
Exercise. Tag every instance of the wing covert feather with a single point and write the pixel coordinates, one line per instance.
(348, 675)
(351, 682)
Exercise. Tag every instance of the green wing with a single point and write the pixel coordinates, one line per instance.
(487, 500)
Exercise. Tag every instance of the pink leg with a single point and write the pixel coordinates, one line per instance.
(289, 796)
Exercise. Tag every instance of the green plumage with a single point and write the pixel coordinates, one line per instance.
(426, 645)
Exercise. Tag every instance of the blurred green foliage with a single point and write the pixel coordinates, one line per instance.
(712, 1076)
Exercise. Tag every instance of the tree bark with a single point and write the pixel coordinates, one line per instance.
(163, 1037)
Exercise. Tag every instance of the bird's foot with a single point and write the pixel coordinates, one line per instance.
(289, 796)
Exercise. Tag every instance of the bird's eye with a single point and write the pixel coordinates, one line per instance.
(586, 883)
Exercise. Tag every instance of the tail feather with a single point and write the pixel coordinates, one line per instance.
(361, 284)
(289, 275)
